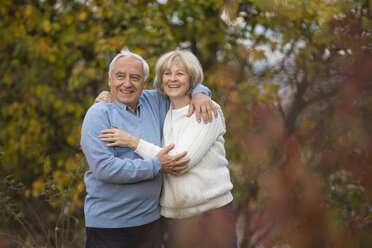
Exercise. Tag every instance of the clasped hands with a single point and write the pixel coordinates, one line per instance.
(173, 165)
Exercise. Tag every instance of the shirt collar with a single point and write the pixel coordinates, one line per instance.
(129, 109)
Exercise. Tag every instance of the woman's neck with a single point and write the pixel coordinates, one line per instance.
(179, 102)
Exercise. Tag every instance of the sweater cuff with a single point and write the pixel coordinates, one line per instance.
(157, 165)
(199, 88)
(146, 149)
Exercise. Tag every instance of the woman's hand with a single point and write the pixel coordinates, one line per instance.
(118, 137)
(104, 96)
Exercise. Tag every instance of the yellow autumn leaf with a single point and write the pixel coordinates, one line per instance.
(37, 188)
(82, 16)
(46, 26)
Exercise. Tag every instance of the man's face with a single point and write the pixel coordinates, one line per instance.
(127, 81)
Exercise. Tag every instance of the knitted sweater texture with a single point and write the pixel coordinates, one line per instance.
(205, 184)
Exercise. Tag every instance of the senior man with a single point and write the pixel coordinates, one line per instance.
(122, 203)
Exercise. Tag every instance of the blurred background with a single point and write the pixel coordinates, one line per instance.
(293, 77)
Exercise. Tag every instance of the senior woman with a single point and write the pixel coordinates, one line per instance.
(197, 205)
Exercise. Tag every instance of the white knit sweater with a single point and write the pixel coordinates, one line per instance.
(205, 184)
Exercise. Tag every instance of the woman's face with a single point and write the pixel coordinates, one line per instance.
(176, 81)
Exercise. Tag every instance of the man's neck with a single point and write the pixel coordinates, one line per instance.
(127, 107)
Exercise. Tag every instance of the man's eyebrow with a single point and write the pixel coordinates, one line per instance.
(120, 72)
(135, 74)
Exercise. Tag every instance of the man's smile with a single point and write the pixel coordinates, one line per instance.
(126, 91)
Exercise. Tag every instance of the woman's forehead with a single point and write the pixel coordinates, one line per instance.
(177, 61)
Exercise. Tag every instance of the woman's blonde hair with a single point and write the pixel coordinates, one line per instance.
(184, 58)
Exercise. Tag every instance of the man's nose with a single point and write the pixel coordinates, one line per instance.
(127, 82)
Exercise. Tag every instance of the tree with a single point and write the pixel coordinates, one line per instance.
(312, 145)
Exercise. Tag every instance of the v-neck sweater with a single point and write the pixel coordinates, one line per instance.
(122, 188)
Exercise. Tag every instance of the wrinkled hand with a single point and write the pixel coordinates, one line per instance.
(118, 137)
(104, 96)
(202, 104)
(172, 164)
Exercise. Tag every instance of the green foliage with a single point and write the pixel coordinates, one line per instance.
(8, 207)
(45, 220)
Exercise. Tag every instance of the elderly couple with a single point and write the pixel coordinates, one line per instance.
(157, 176)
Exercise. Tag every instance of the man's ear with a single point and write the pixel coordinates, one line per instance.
(109, 81)
(145, 85)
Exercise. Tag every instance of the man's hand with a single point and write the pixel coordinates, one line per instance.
(201, 103)
(172, 164)
(104, 96)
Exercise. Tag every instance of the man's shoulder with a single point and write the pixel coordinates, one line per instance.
(152, 99)
(151, 94)
(100, 107)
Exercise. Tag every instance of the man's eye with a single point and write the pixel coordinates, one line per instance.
(135, 78)
(120, 77)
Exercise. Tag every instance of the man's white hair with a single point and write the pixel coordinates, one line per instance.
(126, 53)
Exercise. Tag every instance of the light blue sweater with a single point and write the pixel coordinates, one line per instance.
(123, 189)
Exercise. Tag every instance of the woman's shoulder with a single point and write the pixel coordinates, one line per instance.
(217, 122)
(218, 107)
(220, 113)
